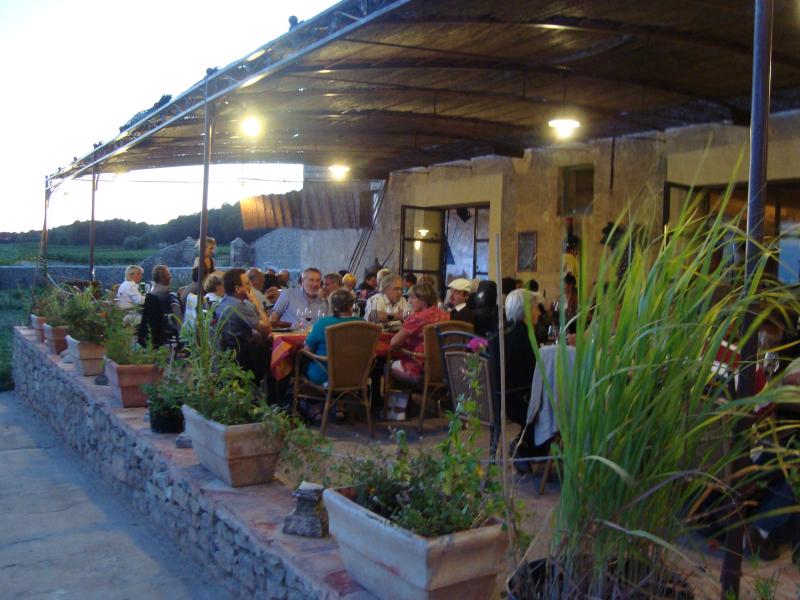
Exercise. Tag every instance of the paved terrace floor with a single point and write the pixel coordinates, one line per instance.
(64, 534)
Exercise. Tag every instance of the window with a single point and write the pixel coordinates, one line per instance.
(576, 190)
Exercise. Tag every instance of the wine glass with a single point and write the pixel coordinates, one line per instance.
(308, 315)
(552, 333)
(298, 321)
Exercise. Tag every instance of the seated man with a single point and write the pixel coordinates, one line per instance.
(244, 325)
(294, 302)
(389, 305)
(330, 283)
(161, 317)
(459, 291)
(256, 277)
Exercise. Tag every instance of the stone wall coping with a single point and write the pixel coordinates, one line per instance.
(237, 532)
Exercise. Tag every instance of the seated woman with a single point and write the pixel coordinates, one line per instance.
(162, 311)
(349, 281)
(425, 311)
(341, 302)
(129, 298)
(389, 305)
(522, 311)
(213, 288)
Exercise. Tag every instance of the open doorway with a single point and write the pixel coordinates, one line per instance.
(445, 242)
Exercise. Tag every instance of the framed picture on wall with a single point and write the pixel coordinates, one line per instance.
(526, 250)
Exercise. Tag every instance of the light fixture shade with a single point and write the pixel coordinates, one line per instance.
(564, 126)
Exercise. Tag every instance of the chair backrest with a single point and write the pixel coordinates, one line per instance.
(432, 334)
(351, 350)
(456, 357)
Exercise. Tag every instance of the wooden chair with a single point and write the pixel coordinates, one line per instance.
(351, 354)
(456, 355)
(432, 380)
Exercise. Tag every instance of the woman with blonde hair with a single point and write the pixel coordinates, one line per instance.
(349, 281)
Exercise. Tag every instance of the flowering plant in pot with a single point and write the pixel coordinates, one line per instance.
(642, 413)
(128, 365)
(87, 319)
(43, 301)
(47, 312)
(426, 521)
(235, 434)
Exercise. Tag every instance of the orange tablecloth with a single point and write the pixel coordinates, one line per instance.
(286, 345)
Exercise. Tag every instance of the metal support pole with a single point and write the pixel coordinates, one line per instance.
(207, 142)
(95, 177)
(757, 185)
(43, 242)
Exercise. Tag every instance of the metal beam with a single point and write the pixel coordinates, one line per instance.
(482, 63)
(756, 190)
(208, 140)
(234, 76)
(95, 179)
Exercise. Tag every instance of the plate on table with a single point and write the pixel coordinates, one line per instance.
(392, 326)
(281, 326)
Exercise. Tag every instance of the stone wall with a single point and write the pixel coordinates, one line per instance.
(207, 519)
(14, 276)
(295, 249)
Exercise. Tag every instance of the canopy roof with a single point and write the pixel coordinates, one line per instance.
(383, 85)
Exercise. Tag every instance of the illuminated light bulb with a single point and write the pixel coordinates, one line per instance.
(251, 126)
(564, 127)
(339, 172)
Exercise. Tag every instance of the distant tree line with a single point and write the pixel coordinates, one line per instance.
(225, 224)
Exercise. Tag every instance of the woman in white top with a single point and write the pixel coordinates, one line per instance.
(389, 305)
(128, 294)
(214, 288)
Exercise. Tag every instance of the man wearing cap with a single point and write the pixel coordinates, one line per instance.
(457, 305)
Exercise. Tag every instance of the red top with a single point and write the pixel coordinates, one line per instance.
(415, 323)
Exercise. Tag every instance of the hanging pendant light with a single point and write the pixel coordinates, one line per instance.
(564, 123)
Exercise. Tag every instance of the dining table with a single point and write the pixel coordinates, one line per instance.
(285, 345)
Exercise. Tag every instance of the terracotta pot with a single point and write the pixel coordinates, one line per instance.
(126, 379)
(237, 454)
(55, 337)
(88, 357)
(37, 323)
(461, 565)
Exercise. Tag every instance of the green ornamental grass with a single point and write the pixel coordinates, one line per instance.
(643, 416)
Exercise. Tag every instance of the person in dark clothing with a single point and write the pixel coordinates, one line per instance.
(245, 326)
(521, 310)
(368, 287)
(483, 304)
(509, 284)
(161, 316)
(459, 293)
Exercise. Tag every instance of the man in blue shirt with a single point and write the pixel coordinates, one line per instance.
(245, 327)
(294, 301)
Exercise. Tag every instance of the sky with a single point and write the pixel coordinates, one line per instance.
(76, 70)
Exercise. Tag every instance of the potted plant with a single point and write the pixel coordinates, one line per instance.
(39, 308)
(47, 311)
(87, 320)
(638, 409)
(425, 522)
(235, 438)
(129, 366)
(166, 395)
